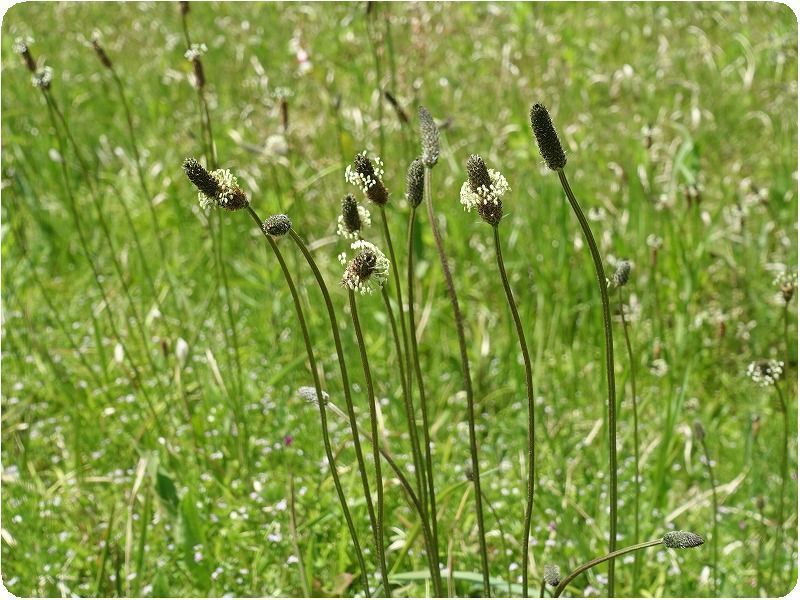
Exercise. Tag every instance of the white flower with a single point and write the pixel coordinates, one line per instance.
(342, 229)
(765, 372)
(364, 181)
(492, 195)
(119, 353)
(196, 51)
(368, 271)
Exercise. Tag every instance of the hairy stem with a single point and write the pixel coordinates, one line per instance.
(462, 343)
(523, 346)
(609, 347)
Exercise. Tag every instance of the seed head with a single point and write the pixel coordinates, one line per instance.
(277, 226)
(369, 177)
(765, 372)
(183, 6)
(429, 138)
(547, 138)
(202, 179)
(368, 271)
(621, 275)
(484, 190)
(552, 575)
(682, 539)
(353, 219)
(101, 53)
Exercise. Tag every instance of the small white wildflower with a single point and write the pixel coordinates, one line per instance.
(765, 372)
(368, 271)
(119, 354)
(181, 350)
(195, 51)
(21, 44)
(787, 283)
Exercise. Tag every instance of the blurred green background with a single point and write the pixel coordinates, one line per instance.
(680, 125)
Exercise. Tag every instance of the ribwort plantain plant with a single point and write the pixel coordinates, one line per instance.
(210, 192)
(429, 138)
(555, 159)
(484, 191)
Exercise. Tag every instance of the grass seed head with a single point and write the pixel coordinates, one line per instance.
(277, 226)
(682, 539)
(552, 575)
(415, 182)
(183, 6)
(547, 138)
(21, 47)
(429, 138)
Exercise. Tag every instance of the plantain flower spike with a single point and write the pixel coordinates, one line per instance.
(353, 219)
(217, 188)
(429, 138)
(621, 275)
(415, 182)
(547, 138)
(276, 226)
(368, 175)
(368, 271)
(552, 575)
(682, 539)
(484, 190)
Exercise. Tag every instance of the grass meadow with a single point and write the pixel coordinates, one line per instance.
(153, 439)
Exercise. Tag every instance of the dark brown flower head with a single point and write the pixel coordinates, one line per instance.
(484, 190)
(429, 138)
(101, 53)
(277, 226)
(368, 271)
(201, 178)
(547, 138)
(682, 539)
(415, 182)
(363, 174)
(199, 74)
(699, 430)
(183, 6)
(350, 217)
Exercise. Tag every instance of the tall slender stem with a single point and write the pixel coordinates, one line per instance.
(523, 346)
(610, 556)
(715, 505)
(637, 488)
(462, 344)
(423, 401)
(351, 413)
(778, 549)
(609, 343)
(376, 456)
(298, 307)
